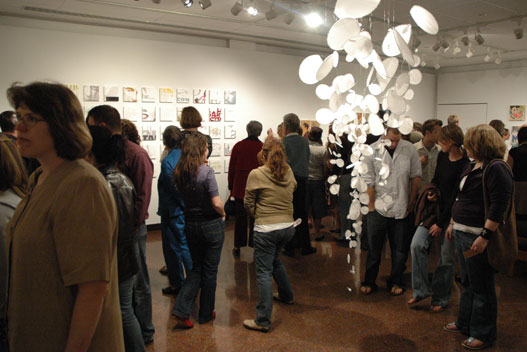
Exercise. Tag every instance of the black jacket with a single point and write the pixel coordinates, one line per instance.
(124, 195)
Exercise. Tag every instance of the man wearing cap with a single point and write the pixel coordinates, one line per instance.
(316, 195)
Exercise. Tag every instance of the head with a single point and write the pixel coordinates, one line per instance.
(273, 156)
(50, 121)
(315, 134)
(8, 121)
(172, 137)
(194, 151)
(107, 149)
(484, 143)
(450, 135)
(431, 129)
(394, 136)
(190, 118)
(506, 134)
(498, 125)
(12, 170)
(453, 120)
(280, 130)
(418, 127)
(106, 116)
(254, 129)
(291, 123)
(129, 131)
(522, 134)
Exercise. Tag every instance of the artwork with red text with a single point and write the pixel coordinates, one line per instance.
(200, 96)
(215, 114)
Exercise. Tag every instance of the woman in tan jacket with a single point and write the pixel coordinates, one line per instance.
(269, 199)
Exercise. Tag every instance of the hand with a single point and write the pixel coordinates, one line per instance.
(223, 217)
(435, 230)
(432, 197)
(371, 207)
(448, 232)
(479, 245)
(423, 159)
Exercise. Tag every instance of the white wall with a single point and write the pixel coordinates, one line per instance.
(267, 84)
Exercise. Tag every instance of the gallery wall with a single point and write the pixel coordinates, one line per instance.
(266, 84)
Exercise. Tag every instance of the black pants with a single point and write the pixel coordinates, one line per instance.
(240, 227)
(301, 238)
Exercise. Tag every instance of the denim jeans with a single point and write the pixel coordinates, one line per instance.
(441, 286)
(133, 338)
(267, 247)
(205, 241)
(175, 249)
(142, 293)
(478, 306)
(399, 237)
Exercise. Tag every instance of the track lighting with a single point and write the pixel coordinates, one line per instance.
(488, 57)
(187, 3)
(236, 8)
(436, 46)
(518, 33)
(313, 19)
(469, 51)
(445, 45)
(288, 19)
(479, 38)
(204, 4)
(465, 39)
(271, 14)
(457, 49)
(156, 1)
(251, 8)
(498, 59)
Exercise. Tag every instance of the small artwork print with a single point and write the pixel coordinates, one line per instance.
(183, 96)
(148, 113)
(215, 132)
(75, 88)
(200, 96)
(227, 148)
(167, 113)
(215, 114)
(517, 113)
(230, 132)
(514, 134)
(216, 149)
(130, 94)
(215, 96)
(230, 115)
(166, 95)
(148, 95)
(226, 165)
(179, 112)
(216, 165)
(132, 112)
(149, 133)
(204, 129)
(111, 93)
(230, 97)
(151, 149)
(90, 93)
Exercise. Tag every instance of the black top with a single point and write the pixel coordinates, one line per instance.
(519, 168)
(469, 209)
(198, 204)
(446, 178)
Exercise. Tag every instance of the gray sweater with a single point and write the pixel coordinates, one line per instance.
(297, 152)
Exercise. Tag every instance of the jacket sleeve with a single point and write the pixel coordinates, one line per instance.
(251, 191)
(499, 184)
(141, 172)
(167, 170)
(232, 166)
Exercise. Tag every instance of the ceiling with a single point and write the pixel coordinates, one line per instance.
(496, 19)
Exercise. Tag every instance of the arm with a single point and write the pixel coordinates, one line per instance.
(86, 313)
(218, 206)
(415, 177)
(141, 172)
(414, 186)
(510, 161)
(371, 193)
(232, 167)
(249, 200)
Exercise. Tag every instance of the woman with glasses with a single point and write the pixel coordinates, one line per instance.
(63, 293)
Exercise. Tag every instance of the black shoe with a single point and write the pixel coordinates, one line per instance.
(319, 238)
(164, 270)
(170, 290)
(149, 341)
(236, 252)
(309, 250)
(290, 252)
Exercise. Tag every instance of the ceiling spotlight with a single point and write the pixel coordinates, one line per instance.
(252, 10)
(518, 33)
(465, 39)
(205, 4)
(488, 57)
(187, 3)
(498, 59)
(271, 14)
(469, 51)
(479, 38)
(288, 19)
(416, 42)
(156, 1)
(437, 66)
(313, 19)
(457, 49)
(236, 8)
(436, 46)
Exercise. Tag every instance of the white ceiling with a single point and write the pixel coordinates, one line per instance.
(494, 17)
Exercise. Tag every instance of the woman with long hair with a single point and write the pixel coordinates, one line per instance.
(269, 199)
(451, 162)
(204, 228)
(472, 226)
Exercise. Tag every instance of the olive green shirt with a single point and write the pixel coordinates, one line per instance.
(63, 233)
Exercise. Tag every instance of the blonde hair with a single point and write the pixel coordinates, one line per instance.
(484, 143)
(453, 119)
(273, 156)
(13, 173)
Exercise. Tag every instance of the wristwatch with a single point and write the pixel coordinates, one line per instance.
(486, 233)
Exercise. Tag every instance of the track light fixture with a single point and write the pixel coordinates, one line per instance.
(204, 4)
(313, 19)
(288, 19)
(156, 1)
(271, 14)
(518, 32)
(488, 57)
(479, 38)
(416, 42)
(236, 8)
(445, 45)
(187, 3)
(465, 39)
(436, 46)
(469, 51)
(251, 9)
(457, 49)
(498, 59)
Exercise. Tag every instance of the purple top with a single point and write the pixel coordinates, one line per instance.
(139, 168)
(198, 205)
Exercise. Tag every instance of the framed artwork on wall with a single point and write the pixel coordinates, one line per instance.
(166, 95)
(111, 93)
(148, 95)
(514, 136)
(227, 148)
(148, 113)
(204, 129)
(517, 113)
(226, 165)
(168, 113)
(230, 115)
(216, 165)
(151, 149)
(149, 133)
(76, 89)
(200, 96)
(230, 132)
(215, 114)
(216, 149)
(90, 93)
(132, 113)
(230, 97)
(215, 96)
(183, 96)
(215, 132)
(130, 94)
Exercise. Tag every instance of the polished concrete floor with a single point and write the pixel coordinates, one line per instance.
(329, 314)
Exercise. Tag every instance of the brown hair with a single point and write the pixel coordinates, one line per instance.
(273, 156)
(498, 126)
(129, 131)
(429, 125)
(62, 111)
(485, 143)
(190, 118)
(107, 114)
(13, 173)
(451, 133)
(192, 156)
(172, 137)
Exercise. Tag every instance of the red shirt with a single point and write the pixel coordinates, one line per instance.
(243, 161)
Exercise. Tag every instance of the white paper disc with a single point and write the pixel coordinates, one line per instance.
(334, 188)
(364, 198)
(355, 8)
(417, 60)
(374, 89)
(325, 116)
(402, 83)
(343, 83)
(407, 126)
(308, 69)
(371, 103)
(376, 125)
(324, 92)
(415, 76)
(389, 44)
(424, 19)
(325, 68)
(407, 54)
(332, 179)
(396, 104)
(342, 31)
(409, 95)
(379, 204)
(359, 46)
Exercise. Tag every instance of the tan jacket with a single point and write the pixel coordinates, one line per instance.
(268, 200)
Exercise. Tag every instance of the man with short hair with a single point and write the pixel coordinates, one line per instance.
(8, 122)
(297, 152)
(428, 149)
(453, 120)
(391, 198)
(140, 169)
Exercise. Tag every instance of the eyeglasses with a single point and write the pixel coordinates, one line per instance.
(29, 120)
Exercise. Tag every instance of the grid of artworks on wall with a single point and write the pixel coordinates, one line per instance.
(153, 109)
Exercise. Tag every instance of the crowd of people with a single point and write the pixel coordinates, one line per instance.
(75, 190)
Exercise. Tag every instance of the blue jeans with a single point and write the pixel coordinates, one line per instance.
(142, 293)
(267, 247)
(133, 338)
(441, 286)
(175, 249)
(478, 306)
(399, 235)
(205, 241)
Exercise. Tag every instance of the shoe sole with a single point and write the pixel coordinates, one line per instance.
(456, 330)
(485, 345)
(259, 328)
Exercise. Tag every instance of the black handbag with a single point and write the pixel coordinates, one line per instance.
(230, 207)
